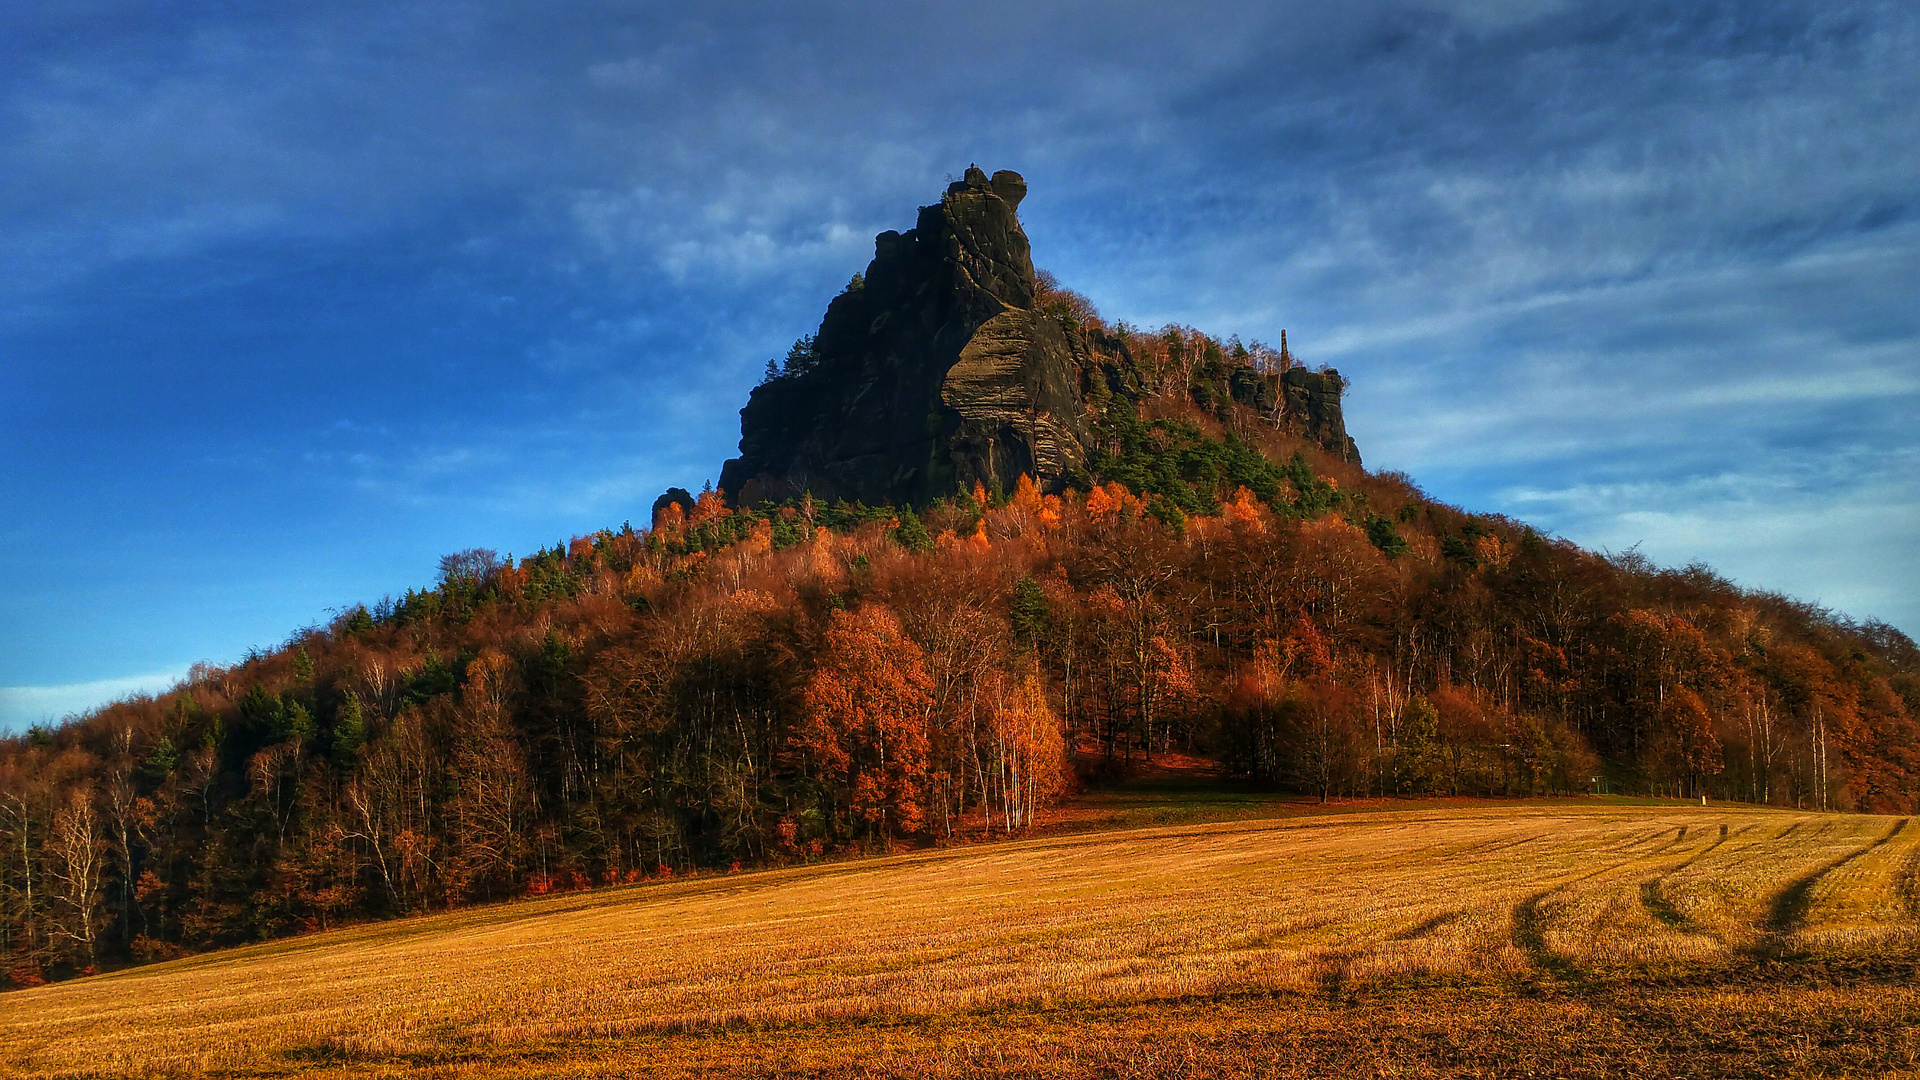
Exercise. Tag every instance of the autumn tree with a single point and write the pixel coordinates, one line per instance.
(76, 859)
(1024, 756)
(863, 732)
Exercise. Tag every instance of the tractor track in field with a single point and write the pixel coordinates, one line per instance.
(1790, 904)
(1425, 926)
(1653, 896)
(1908, 883)
(1529, 929)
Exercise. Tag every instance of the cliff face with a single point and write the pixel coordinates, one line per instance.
(1310, 408)
(937, 371)
(933, 374)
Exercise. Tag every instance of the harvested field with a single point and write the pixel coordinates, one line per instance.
(1237, 934)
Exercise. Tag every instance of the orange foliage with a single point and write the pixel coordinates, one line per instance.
(1172, 677)
(1491, 552)
(760, 541)
(1029, 766)
(640, 578)
(864, 726)
(1029, 510)
(1026, 495)
(1050, 512)
(708, 507)
(1244, 512)
(1112, 499)
(1305, 649)
(670, 521)
(448, 746)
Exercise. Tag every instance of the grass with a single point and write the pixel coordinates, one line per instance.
(1572, 938)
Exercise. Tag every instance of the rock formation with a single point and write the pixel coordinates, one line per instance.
(936, 369)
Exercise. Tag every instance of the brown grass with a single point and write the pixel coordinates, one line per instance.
(1169, 951)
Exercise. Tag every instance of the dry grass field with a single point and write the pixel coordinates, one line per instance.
(1577, 939)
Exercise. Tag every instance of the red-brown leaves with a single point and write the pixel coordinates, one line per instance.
(864, 724)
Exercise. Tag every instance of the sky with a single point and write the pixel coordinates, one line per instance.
(297, 297)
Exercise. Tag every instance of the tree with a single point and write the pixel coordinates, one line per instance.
(1027, 759)
(863, 734)
(911, 533)
(1028, 612)
(1416, 764)
(802, 357)
(76, 857)
(466, 571)
(1383, 535)
(492, 801)
(1692, 749)
(744, 683)
(348, 735)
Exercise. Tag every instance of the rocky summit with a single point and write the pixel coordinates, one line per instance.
(943, 366)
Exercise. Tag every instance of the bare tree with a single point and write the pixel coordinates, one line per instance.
(76, 859)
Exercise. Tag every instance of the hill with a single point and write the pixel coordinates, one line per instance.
(1168, 545)
(1575, 939)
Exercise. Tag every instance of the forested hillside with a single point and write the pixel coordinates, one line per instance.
(790, 680)
(784, 683)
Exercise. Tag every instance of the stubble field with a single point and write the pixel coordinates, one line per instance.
(1575, 939)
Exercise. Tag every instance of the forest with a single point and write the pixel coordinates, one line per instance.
(751, 686)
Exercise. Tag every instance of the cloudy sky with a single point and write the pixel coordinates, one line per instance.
(296, 297)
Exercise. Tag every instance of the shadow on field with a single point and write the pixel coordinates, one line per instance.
(1654, 899)
(1529, 936)
(1856, 1024)
(1790, 904)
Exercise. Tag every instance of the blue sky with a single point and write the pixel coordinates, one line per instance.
(294, 298)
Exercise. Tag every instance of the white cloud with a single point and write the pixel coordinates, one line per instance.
(1844, 533)
(23, 706)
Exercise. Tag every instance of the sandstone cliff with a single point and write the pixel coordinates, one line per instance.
(936, 369)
